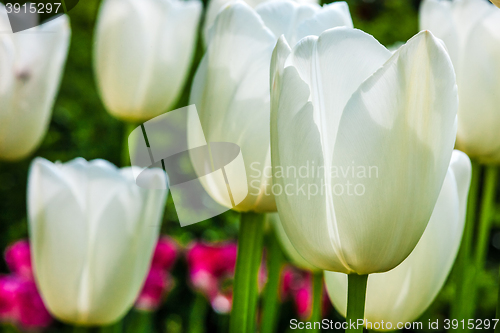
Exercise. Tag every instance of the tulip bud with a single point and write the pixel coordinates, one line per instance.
(31, 63)
(404, 293)
(92, 233)
(470, 31)
(215, 6)
(143, 53)
(231, 86)
(361, 140)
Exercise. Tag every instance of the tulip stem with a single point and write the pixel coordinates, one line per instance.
(486, 217)
(140, 322)
(356, 295)
(483, 236)
(497, 328)
(271, 303)
(198, 314)
(128, 128)
(80, 329)
(463, 271)
(317, 284)
(113, 328)
(245, 291)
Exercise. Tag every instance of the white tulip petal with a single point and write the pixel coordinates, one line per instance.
(103, 256)
(296, 144)
(231, 94)
(141, 56)
(404, 293)
(330, 16)
(58, 237)
(437, 17)
(402, 121)
(300, 138)
(40, 54)
(335, 55)
(287, 246)
(479, 73)
(282, 17)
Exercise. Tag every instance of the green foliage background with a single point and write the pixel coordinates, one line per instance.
(81, 127)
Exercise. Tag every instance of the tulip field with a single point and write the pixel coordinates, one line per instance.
(244, 166)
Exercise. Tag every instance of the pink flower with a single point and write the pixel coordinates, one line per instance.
(9, 287)
(211, 270)
(31, 310)
(156, 286)
(165, 254)
(217, 259)
(18, 258)
(158, 281)
(20, 303)
(297, 285)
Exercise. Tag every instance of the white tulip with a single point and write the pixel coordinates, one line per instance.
(92, 232)
(470, 30)
(31, 65)
(375, 130)
(215, 6)
(142, 55)
(287, 246)
(231, 86)
(404, 293)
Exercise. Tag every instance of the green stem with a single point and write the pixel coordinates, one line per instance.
(487, 210)
(125, 157)
(81, 329)
(463, 271)
(245, 292)
(113, 328)
(198, 314)
(140, 322)
(270, 302)
(497, 328)
(317, 301)
(356, 295)
(483, 236)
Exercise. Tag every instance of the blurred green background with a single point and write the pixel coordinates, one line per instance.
(81, 127)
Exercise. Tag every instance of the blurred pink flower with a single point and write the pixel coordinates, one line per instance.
(18, 258)
(20, 301)
(165, 253)
(211, 270)
(297, 285)
(32, 313)
(21, 304)
(158, 281)
(9, 287)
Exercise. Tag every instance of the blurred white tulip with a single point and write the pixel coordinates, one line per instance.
(31, 66)
(143, 53)
(375, 131)
(231, 86)
(92, 232)
(215, 6)
(471, 32)
(404, 293)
